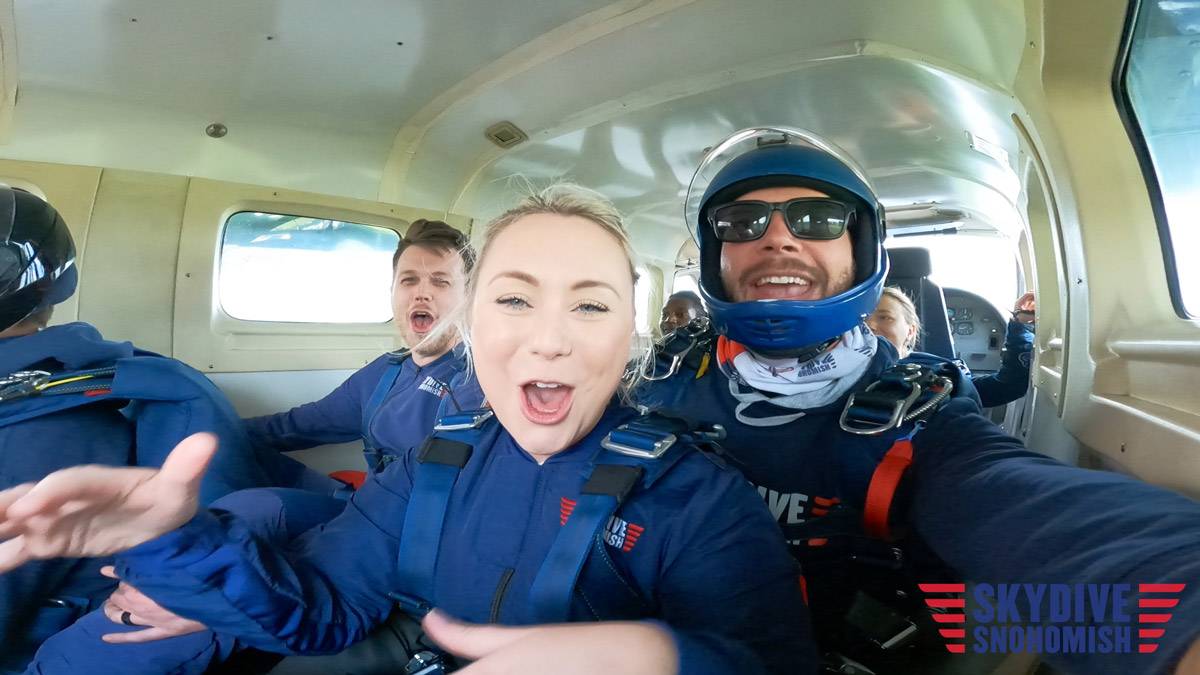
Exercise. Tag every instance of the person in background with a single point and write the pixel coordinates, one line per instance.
(69, 397)
(680, 309)
(895, 318)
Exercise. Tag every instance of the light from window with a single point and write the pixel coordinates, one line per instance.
(982, 264)
(277, 267)
(641, 301)
(687, 280)
(1162, 83)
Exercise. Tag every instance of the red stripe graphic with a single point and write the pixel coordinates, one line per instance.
(1157, 603)
(1147, 648)
(959, 633)
(956, 649)
(565, 508)
(949, 618)
(632, 532)
(943, 588)
(946, 603)
(1161, 588)
(1154, 618)
(1152, 633)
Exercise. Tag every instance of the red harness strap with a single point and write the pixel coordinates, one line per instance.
(354, 479)
(881, 492)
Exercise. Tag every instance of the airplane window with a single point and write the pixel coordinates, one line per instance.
(1162, 95)
(277, 267)
(641, 301)
(685, 280)
(982, 264)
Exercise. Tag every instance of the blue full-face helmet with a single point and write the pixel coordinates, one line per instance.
(758, 158)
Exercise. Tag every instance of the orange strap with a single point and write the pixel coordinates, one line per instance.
(727, 349)
(881, 492)
(354, 479)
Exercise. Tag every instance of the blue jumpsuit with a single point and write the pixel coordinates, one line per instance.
(406, 414)
(401, 423)
(1012, 380)
(979, 500)
(696, 551)
(43, 597)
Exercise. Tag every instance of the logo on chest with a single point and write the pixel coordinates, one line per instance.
(432, 386)
(618, 533)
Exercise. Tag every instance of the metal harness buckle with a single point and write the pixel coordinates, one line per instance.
(22, 383)
(465, 420)
(919, 380)
(641, 444)
(689, 335)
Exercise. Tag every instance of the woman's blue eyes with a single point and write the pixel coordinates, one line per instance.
(514, 302)
(591, 308)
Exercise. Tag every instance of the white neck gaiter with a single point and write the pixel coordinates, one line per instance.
(792, 384)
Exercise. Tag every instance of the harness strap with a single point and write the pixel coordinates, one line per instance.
(554, 587)
(632, 456)
(386, 382)
(440, 461)
(882, 490)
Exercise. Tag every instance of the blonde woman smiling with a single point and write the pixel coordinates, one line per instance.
(688, 575)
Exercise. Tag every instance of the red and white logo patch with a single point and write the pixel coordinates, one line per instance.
(618, 533)
(621, 534)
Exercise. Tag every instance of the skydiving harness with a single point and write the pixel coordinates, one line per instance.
(376, 458)
(689, 345)
(632, 457)
(27, 384)
(904, 394)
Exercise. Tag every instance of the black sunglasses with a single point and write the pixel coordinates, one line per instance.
(806, 218)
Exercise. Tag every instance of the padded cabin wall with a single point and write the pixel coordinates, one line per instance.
(1129, 364)
(129, 271)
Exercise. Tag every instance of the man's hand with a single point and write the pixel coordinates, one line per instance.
(91, 511)
(160, 623)
(569, 649)
(1025, 308)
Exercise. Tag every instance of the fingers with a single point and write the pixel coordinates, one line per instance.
(13, 554)
(470, 641)
(110, 572)
(186, 464)
(147, 635)
(115, 613)
(8, 497)
(77, 483)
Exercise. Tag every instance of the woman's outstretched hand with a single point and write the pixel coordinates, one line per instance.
(625, 647)
(89, 511)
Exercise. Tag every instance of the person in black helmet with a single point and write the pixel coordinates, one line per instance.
(68, 397)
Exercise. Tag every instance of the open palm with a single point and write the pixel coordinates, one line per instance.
(88, 511)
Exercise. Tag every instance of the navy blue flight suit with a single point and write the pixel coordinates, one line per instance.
(402, 421)
(979, 499)
(695, 551)
(43, 597)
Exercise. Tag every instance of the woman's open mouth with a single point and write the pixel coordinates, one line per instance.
(545, 402)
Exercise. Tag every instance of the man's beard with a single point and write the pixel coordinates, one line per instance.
(438, 345)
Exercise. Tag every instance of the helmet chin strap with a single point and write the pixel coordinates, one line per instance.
(803, 354)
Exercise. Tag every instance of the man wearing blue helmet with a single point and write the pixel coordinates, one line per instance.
(876, 471)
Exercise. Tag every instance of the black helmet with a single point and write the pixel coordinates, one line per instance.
(37, 256)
